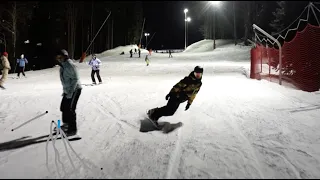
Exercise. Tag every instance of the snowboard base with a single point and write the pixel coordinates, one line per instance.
(166, 127)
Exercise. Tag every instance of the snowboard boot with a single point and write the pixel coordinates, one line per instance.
(71, 132)
(151, 115)
(63, 127)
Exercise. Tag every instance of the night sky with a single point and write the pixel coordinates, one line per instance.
(166, 18)
(48, 25)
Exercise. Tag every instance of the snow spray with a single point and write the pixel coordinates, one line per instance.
(30, 120)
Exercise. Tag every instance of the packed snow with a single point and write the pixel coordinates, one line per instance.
(117, 51)
(236, 127)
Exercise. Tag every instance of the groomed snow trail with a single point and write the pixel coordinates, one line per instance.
(235, 128)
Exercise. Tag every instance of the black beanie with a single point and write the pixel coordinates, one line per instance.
(198, 69)
(62, 52)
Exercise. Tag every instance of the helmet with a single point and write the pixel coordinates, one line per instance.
(5, 54)
(198, 69)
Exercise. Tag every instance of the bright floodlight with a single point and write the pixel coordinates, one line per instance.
(188, 19)
(185, 10)
(215, 3)
(146, 34)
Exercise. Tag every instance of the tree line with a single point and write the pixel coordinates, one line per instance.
(272, 16)
(70, 25)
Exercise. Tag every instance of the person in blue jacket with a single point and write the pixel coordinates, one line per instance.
(22, 64)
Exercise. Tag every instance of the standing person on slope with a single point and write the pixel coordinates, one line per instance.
(22, 63)
(5, 69)
(184, 90)
(95, 64)
(71, 92)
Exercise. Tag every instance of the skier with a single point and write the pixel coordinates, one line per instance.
(147, 60)
(170, 56)
(5, 69)
(184, 90)
(95, 63)
(22, 63)
(71, 92)
(135, 50)
(130, 53)
(139, 52)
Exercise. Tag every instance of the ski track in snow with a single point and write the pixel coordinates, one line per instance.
(235, 128)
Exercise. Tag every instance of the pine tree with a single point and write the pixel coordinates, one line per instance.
(278, 23)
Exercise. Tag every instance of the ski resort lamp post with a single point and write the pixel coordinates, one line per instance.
(187, 20)
(215, 5)
(185, 28)
(146, 35)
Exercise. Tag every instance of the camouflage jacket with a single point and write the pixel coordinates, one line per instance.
(187, 88)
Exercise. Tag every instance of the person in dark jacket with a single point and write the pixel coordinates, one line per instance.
(22, 64)
(130, 53)
(139, 52)
(170, 56)
(71, 92)
(185, 90)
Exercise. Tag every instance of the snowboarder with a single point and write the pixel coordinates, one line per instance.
(139, 52)
(130, 53)
(147, 60)
(95, 63)
(170, 56)
(22, 63)
(184, 90)
(5, 69)
(71, 92)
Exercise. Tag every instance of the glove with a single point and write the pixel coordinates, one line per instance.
(167, 96)
(68, 95)
(188, 106)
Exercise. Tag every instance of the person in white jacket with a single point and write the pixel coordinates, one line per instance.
(95, 64)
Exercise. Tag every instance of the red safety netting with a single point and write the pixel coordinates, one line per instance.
(300, 60)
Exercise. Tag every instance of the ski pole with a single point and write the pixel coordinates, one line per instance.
(30, 120)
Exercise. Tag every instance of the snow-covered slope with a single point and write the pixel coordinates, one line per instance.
(235, 128)
(207, 45)
(116, 51)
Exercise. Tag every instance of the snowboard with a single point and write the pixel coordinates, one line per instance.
(166, 127)
(70, 138)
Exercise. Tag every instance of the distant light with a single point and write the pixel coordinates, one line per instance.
(188, 19)
(215, 3)
(39, 44)
(27, 42)
(146, 34)
(185, 10)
